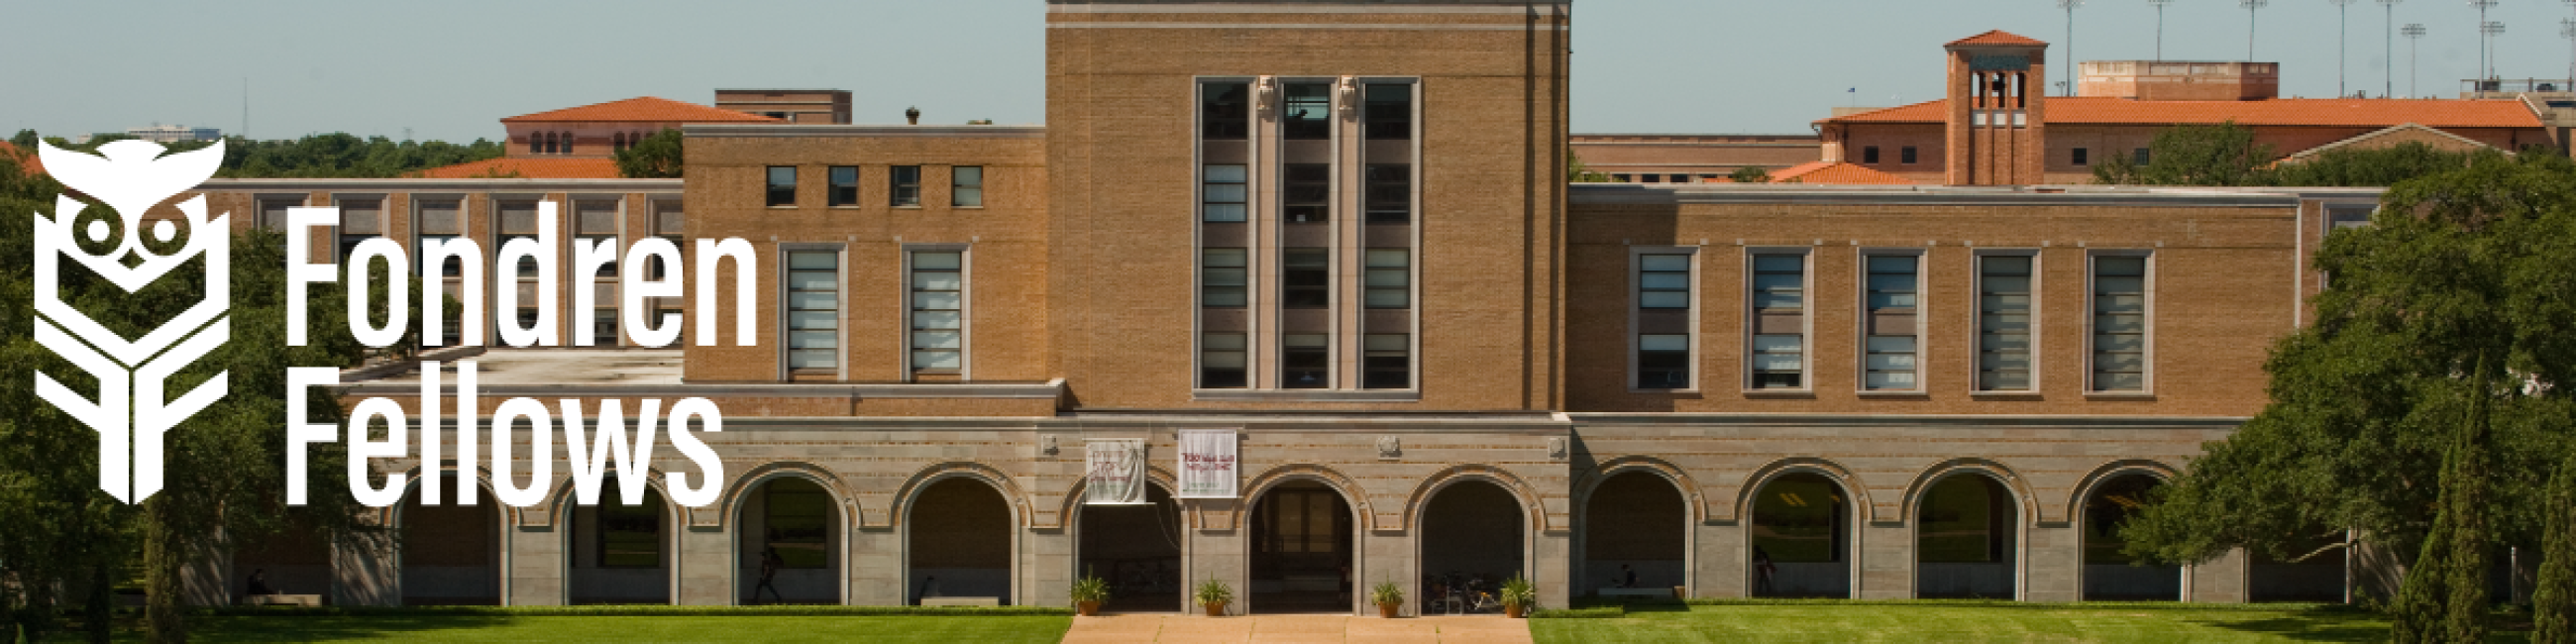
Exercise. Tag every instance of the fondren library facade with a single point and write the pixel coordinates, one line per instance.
(1338, 231)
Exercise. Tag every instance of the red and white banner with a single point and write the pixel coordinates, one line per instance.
(1208, 466)
(1117, 472)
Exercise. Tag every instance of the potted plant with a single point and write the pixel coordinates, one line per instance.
(1518, 596)
(1213, 595)
(1389, 598)
(1088, 594)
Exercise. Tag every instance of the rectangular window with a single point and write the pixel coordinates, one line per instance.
(630, 536)
(1307, 112)
(1305, 361)
(845, 186)
(440, 220)
(1225, 111)
(938, 311)
(595, 221)
(1389, 193)
(1221, 193)
(360, 219)
(668, 221)
(1906, 155)
(1869, 154)
(966, 186)
(2120, 323)
(1779, 321)
(1663, 361)
(1224, 278)
(1390, 278)
(1386, 361)
(1222, 361)
(1663, 281)
(518, 221)
(906, 182)
(2004, 323)
(813, 310)
(1387, 111)
(1306, 278)
(603, 322)
(1307, 194)
(2083, 156)
(782, 185)
(272, 211)
(1893, 283)
(2143, 156)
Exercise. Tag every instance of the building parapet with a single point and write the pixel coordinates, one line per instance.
(764, 130)
(2096, 196)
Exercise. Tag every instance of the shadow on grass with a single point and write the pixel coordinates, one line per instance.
(318, 628)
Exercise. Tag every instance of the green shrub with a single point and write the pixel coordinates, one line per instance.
(1595, 612)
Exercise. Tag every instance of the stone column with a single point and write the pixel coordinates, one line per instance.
(2053, 563)
(1387, 556)
(2218, 581)
(876, 567)
(1717, 560)
(1045, 561)
(1552, 568)
(536, 564)
(365, 573)
(705, 561)
(1219, 554)
(1886, 561)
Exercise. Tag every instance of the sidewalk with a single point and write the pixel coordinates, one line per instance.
(1300, 629)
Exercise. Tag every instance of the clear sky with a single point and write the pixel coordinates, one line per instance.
(451, 69)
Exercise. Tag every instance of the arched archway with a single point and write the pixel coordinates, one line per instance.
(1800, 536)
(1966, 539)
(616, 552)
(449, 554)
(1137, 549)
(1635, 524)
(958, 542)
(787, 543)
(1473, 536)
(2109, 574)
(1302, 534)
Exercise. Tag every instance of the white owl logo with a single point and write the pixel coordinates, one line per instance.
(131, 414)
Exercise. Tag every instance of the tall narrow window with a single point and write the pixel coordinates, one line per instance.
(361, 218)
(1305, 361)
(1222, 361)
(1869, 154)
(441, 220)
(1307, 112)
(813, 310)
(1388, 112)
(1889, 363)
(566, 137)
(1390, 278)
(1663, 358)
(1221, 193)
(1390, 193)
(2003, 323)
(1306, 278)
(1223, 278)
(907, 186)
(1225, 111)
(1779, 321)
(782, 185)
(518, 221)
(2120, 323)
(1307, 194)
(595, 222)
(536, 143)
(966, 186)
(1663, 281)
(1906, 155)
(1386, 361)
(844, 188)
(938, 311)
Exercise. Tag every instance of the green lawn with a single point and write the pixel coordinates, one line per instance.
(504, 628)
(1942, 621)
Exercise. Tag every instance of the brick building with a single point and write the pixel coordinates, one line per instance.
(1338, 231)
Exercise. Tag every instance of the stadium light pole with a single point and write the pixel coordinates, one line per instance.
(2414, 33)
(2567, 30)
(2069, 74)
(2343, 41)
(2251, 6)
(2483, 6)
(2388, 49)
(2160, 25)
(2490, 29)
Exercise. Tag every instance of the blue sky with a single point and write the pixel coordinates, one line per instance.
(450, 70)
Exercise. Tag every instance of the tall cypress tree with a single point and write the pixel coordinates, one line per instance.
(2444, 598)
(2553, 604)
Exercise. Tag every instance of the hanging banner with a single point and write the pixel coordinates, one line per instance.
(1208, 466)
(1117, 475)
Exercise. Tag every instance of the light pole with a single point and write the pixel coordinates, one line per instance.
(2160, 26)
(2490, 29)
(2483, 6)
(2388, 51)
(2567, 30)
(2069, 74)
(2343, 39)
(2414, 33)
(2250, 7)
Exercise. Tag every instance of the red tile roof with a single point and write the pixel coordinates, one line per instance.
(508, 168)
(1835, 173)
(1996, 37)
(2328, 112)
(644, 109)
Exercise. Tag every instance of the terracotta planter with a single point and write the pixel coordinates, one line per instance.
(1087, 609)
(1389, 610)
(1216, 609)
(1512, 611)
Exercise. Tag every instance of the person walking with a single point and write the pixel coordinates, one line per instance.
(1763, 571)
(1627, 576)
(769, 563)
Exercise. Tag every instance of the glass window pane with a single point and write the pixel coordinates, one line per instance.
(1224, 257)
(811, 280)
(1773, 343)
(1222, 359)
(1304, 340)
(937, 320)
(826, 339)
(939, 301)
(1386, 342)
(1663, 300)
(1995, 265)
(1387, 278)
(2119, 266)
(1384, 258)
(969, 176)
(1225, 213)
(2120, 382)
(937, 261)
(1663, 343)
(1779, 263)
(2119, 361)
(938, 281)
(813, 320)
(937, 339)
(1891, 362)
(941, 360)
(1664, 262)
(1664, 281)
(1891, 264)
(1232, 173)
(1225, 193)
(1889, 380)
(812, 301)
(813, 260)
(810, 359)
(1217, 341)
(1891, 344)
(2120, 342)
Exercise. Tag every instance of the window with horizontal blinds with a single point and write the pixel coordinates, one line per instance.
(905, 183)
(1389, 278)
(440, 220)
(1663, 342)
(361, 218)
(518, 220)
(1222, 361)
(938, 311)
(1222, 196)
(2120, 323)
(1306, 361)
(2004, 322)
(1779, 321)
(813, 310)
(1224, 276)
(1892, 334)
(843, 188)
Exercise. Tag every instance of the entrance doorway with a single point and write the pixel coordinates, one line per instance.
(1137, 549)
(958, 542)
(2109, 574)
(619, 552)
(1302, 534)
(1634, 524)
(450, 554)
(1801, 539)
(1964, 540)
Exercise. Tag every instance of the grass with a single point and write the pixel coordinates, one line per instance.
(500, 626)
(1971, 621)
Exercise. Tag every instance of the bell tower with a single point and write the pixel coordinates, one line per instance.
(1996, 134)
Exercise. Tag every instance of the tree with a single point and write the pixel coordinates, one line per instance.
(2376, 409)
(1576, 172)
(656, 157)
(2444, 598)
(1750, 174)
(2374, 167)
(2192, 155)
(2553, 601)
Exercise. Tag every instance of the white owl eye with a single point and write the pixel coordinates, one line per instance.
(163, 231)
(98, 230)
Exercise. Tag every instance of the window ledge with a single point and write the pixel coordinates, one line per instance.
(1307, 395)
(905, 207)
(1683, 392)
(1894, 393)
(2120, 395)
(2005, 395)
(1779, 393)
(846, 207)
(967, 207)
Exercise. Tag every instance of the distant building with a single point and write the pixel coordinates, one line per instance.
(1688, 158)
(174, 133)
(808, 106)
(582, 142)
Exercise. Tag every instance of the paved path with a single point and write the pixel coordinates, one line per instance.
(1298, 629)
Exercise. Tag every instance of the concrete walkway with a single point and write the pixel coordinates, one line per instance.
(1299, 629)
